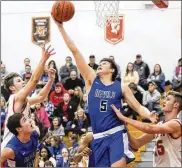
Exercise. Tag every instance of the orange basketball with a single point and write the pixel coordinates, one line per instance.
(63, 11)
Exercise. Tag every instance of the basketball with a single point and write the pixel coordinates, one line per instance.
(63, 11)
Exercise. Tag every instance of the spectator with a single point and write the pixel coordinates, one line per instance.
(130, 75)
(84, 106)
(158, 77)
(56, 96)
(47, 139)
(52, 64)
(65, 70)
(80, 123)
(73, 82)
(56, 147)
(39, 124)
(44, 156)
(177, 77)
(66, 109)
(151, 98)
(4, 92)
(3, 70)
(139, 96)
(26, 62)
(118, 77)
(48, 163)
(143, 70)
(56, 127)
(49, 107)
(72, 163)
(27, 74)
(42, 115)
(3, 114)
(44, 78)
(77, 96)
(64, 160)
(92, 63)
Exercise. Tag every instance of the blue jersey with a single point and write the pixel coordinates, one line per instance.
(100, 99)
(24, 152)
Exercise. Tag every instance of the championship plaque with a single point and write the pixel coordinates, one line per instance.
(40, 30)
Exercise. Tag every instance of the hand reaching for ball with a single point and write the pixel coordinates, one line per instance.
(59, 24)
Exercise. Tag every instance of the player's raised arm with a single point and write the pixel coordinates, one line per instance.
(24, 92)
(136, 106)
(87, 72)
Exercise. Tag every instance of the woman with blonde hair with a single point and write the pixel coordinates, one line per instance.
(130, 75)
(78, 96)
(80, 123)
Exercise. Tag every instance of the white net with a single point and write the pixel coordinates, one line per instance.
(104, 9)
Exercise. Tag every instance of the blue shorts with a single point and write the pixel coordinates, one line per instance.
(112, 148)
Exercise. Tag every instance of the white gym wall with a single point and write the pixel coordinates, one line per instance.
(153, 33)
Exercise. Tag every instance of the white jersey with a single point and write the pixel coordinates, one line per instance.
(10, 111)
(167, 150)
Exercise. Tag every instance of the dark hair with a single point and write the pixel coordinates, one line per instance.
(178, 98)
(55, 67)
(9, 80)
(38, 86)
(127, 71)
(92, 56)
(59, 123)
(133, 86)
(69, 57)
(48, 152)
(14, 123)
(138, 56)
(180, 60)
(27, 66)
(159, 71)
(113, 66)
(41, 126)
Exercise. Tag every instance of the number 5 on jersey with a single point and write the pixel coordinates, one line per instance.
(103, 105)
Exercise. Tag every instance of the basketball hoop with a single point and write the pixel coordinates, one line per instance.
(104, 9)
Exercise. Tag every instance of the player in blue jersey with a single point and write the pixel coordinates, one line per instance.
(103, 90)
(20, 150)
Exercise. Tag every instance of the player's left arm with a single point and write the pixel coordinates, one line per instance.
(45, 90)
(171, 126)
(135, 105)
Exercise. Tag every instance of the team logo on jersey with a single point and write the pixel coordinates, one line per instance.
(114, 32)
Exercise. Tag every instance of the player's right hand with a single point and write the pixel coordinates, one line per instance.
(86, 152)
(57, 23)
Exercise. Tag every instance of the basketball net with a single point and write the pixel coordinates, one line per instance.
(104, 9)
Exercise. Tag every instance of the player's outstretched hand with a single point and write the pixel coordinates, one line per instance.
(51, 73)
(117, 111)
(57, 23)
(154, 118)
(46, 53)
(86, 152)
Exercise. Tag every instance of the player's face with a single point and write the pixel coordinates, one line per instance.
(168, 103)
(104, 68)
(26, 125)
(18, 84)
(44, 153)
(55, 122)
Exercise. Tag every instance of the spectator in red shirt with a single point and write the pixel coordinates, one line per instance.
(66, 109)
(56, 96)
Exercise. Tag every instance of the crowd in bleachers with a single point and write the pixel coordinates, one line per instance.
(63, 117)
